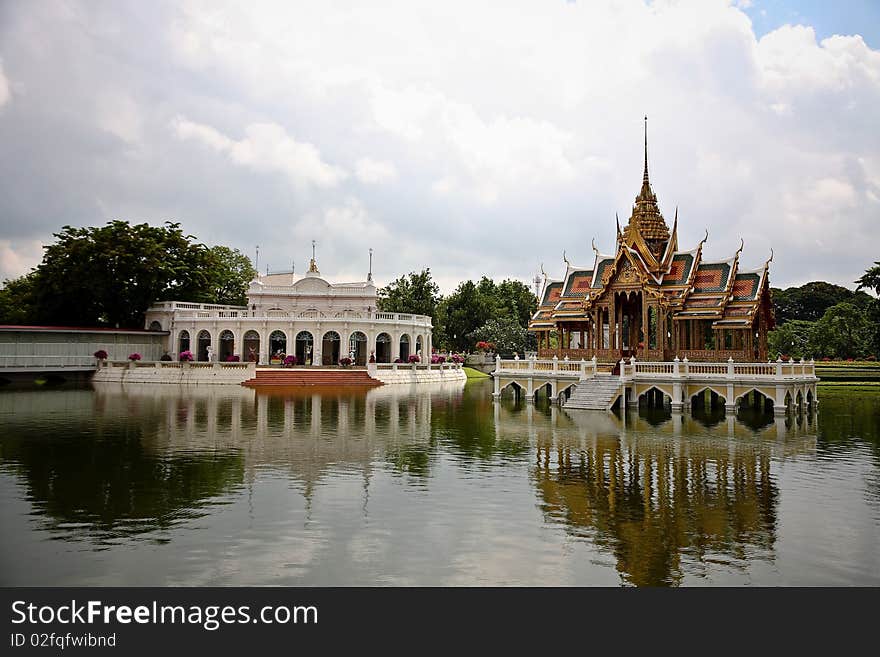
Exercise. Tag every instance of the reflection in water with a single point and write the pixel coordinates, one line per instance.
(432, 484)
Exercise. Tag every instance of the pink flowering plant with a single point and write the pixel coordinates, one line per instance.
(100, 354)
(414, 358)
(345, 361)
(135, 356)
(290, 361)
(233, 359)
(185, 356)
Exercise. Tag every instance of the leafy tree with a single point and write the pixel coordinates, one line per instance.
(17, 300)
(229, 276)
(417, 294)
(518, 300)
(504, 331)
(810, 301)
(871, 279)
(461, 313)
(792, 338)
(110, 275)
(844, 332)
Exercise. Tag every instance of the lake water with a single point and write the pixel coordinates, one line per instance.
(436, 485)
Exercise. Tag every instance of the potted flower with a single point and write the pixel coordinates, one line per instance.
(413, 359)
(133, 357)
(233, 359)
(436, 359)
(457, 358)
(101, 356)
(289, 361)
(185, 356)
(345, 361)
(372, 357)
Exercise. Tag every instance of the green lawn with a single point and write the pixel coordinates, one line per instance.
(843, 373)
(471, 373)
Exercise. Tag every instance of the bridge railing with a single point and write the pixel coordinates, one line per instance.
(546, 367)
(49, 361)
(633, 368)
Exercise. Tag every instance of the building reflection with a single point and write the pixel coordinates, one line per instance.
(664, 495)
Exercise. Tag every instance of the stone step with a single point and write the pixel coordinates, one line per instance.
(595, 393)
(312, 378)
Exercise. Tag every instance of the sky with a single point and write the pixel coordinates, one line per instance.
(471, 138)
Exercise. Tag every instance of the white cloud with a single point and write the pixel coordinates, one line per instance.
(266, 147)
(19, 257)
(374, 172)
(5, 94)
(509, 133)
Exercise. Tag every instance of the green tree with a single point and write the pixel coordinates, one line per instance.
(871, 279)
(228, 277)
(810, 301)
(505, 331)
(461, 313)
(17, 303)
(792, 339)
(417, 294)
(843, 332)
(518, 300)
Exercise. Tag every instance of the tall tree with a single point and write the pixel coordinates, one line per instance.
(842, 332)
(810, 301)
(871, 279)
(109, 275)
(229, 276)
(417, 294)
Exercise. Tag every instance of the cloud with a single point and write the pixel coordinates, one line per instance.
(18, 258)
(375, 172)
(465, 137)
(266, 147)
(5, 94)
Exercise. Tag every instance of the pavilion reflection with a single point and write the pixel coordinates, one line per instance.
(664, 497)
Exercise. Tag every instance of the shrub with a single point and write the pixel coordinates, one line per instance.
(165, 357)
(345, 361)
(414, 358)
(290, 361)
(101, 354)
(233, 359)
(186, 356)
(484, 345)
(397, 360)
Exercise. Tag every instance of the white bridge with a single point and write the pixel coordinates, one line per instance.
(590, 385)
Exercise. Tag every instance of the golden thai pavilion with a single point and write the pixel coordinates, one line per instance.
(654, 301)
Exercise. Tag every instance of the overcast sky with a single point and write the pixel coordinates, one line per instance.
(471, 138)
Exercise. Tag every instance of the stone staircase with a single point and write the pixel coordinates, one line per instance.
(596, 394)
(295, 377)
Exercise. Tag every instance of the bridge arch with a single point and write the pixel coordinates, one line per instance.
(755, 392)
(655, 395)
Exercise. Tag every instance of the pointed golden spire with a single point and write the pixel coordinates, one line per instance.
(645, 176)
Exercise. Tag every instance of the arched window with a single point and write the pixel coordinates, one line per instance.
(383, 348)
(330, 348)
(304, 347)
(404, 347)
(227, 346)
(277, 345)
(251, 347)
(357, 348)
(202, 344)
(183, 341)
(155, 326)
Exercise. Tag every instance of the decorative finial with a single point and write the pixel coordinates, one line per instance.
(564, 258)
(742, 243)
(594, 247)
(703, 241)
(313, 266)
(543, 273)
(770, 259)
(257, 259)
(619, 232)
(370, 273)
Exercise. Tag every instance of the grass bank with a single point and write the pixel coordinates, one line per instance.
(471, 373)
(845, 374)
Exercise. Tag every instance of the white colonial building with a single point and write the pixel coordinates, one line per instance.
(306, 316)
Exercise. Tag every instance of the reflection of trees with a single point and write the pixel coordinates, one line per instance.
(651, 502)
(101, 474)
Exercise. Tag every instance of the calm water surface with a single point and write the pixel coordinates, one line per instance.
(159, 485)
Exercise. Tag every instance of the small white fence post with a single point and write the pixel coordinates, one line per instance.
(555, 363)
